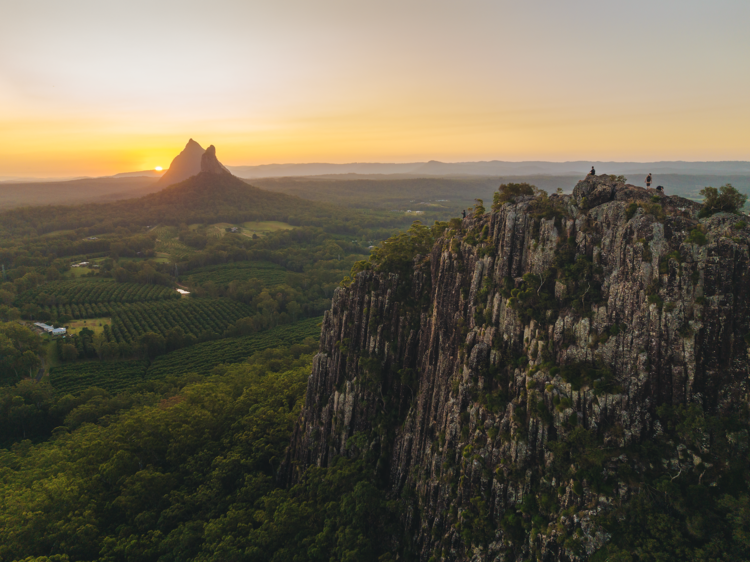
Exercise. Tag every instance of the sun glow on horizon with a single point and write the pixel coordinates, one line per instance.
(280, 94)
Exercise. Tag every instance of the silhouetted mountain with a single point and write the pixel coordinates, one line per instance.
(186, 164)
(214, 193)
(210, 164)
(210, 196)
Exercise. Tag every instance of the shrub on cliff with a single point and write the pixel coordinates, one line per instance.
(508, 192)
(396, 255)
(726, 199)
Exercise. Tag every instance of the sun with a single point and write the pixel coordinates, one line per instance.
(158, 168)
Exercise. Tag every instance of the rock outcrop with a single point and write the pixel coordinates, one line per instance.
(210, 164)
(549, 314)
(185, 165)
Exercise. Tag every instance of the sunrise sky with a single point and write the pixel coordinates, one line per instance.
(95, 87)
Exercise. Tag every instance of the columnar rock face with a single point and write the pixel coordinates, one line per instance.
(185, 165)
(458, 379)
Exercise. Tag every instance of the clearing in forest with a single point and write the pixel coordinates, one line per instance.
(264, 227)
(96, 325)
(168, 244)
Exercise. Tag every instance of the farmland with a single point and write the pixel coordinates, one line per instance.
(94, 291)
(129, 321)
(249, 228)
(168, 245)
(96, 325)
(193, 316)
(115, 376)
(263, 227)
(205, 356)
(267, 273)
(112, 376)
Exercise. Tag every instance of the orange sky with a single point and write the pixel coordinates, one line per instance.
(94, 88)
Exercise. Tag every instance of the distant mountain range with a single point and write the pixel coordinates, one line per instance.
(493, 168)
(374, 185)
(187, 163)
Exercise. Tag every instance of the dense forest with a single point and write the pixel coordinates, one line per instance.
(155, 430)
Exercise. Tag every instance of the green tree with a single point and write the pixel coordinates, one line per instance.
(153, 344)
(19, 348)
(508, 192)
(726, 199)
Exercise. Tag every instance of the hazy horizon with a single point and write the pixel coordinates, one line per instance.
(556, 168)
(95, 89)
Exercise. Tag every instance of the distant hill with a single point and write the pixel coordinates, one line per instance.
(378, 185)
(147, 173)
(494, 168)
(74, 192)
(406, 192)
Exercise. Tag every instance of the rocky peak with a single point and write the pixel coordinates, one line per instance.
(210, 164)
(185, 165)
(548, 316)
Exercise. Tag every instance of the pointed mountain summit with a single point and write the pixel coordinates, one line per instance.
(185, 165)
(210, 164)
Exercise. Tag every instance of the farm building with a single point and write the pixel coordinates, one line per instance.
(50, 329)
(82, 264)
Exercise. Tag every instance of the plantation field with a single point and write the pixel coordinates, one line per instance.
(127, 322)
(194, 316)
(205, 356)
(116, 376)
(96, 325)
(268, 273)
(95, 291)
(112, 376)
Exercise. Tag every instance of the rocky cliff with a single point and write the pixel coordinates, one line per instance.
(509, 383)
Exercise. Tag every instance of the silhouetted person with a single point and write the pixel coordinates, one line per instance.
(592, 172)
(464, 213)
(660, 189)
(648, 180)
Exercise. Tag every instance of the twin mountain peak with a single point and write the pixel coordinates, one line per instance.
(193, 160)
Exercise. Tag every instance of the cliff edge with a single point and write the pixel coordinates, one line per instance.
(509, 383)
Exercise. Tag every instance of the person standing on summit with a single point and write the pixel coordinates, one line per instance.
(648, 180)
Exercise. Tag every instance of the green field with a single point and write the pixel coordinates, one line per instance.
(96, 325)
(115, 376)
(261, 228)
(112, 376)
(194, 316)
(168, 245)
(264, 227)
(96, 291)
(129, 321)
(76, 272)
(203, 357)
(268, 273)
